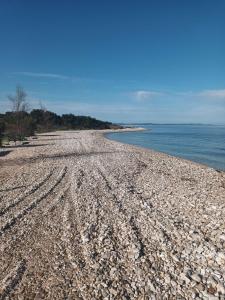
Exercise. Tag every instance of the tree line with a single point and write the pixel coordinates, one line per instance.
(20, 122)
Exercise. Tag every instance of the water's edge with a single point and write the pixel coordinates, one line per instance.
(139, 140)
(106, 135)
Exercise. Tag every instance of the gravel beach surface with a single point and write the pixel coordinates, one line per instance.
(84, 217)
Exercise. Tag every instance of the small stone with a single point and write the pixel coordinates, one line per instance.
(85, 238)
(113, 291)
(212, 290)
(196, 277)
(199, 287)
(220, 258)
(151, 286)
(220, 288)
(208, 296)
(167, 279)
(112, 272)
(222, 237)
(185, 278)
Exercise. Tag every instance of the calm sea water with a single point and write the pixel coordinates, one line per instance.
(200, 143)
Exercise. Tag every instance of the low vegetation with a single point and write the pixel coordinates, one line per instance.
(20, 123)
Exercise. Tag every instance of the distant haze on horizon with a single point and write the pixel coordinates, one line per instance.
(122, 61)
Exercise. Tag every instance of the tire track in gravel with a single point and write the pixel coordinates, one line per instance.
(47, 256)
(19, 215)
(32, 189)
(104, 234)
(71, 236)
(130, 219)
(130, 240)
(12, 188)
(136, 236)
(87, 226)
(133, 192)
(81, 240)
(32, 232)
(153, 226)
(26, 225)
(11, 280)
(15, 186)
(166, 232)
(71, 242)
(52, 206)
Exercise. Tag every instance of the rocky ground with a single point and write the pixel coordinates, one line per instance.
(83, 217)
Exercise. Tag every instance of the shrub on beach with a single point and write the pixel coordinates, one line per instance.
(2, 129)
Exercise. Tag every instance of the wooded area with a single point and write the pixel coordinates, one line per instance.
(19, 123)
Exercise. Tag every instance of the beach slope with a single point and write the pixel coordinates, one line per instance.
(84, 217)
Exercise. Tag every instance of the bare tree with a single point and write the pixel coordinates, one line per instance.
(18, 101)
(20, 107)
(42, 106)
(2, 128)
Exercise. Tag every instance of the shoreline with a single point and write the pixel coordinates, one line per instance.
(98, 218)
(161, 152)
(158, 151)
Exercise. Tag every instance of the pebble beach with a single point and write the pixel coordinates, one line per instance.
(85, 217)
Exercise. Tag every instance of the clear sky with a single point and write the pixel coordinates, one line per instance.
(124, 61)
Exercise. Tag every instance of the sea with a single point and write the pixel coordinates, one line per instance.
(204, 144)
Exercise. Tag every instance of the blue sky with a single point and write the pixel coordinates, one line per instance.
(123, 61)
